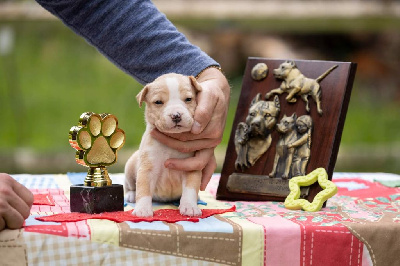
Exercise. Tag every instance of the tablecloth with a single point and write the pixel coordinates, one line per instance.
(359, 226)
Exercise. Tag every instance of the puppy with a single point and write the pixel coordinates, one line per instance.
(170, 105)
(284, 154)
(253, 138)
(295, 83)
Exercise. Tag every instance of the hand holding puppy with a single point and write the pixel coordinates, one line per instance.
(206, 133)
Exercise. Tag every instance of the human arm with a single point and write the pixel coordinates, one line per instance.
(302, 140)
(134, 35)
(15, 203)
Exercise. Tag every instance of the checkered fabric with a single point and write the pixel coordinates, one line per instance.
(52, 250)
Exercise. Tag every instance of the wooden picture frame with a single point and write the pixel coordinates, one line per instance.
(254, 183)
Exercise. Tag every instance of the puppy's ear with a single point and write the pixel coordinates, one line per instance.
(256, 99)
(277, 103)
(142, 95)
(195, 84)
(294, 116)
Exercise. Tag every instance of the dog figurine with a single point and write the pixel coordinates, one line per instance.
(170, 105)
(253, 138)
(295, 83)
(302, 145)
(284, 154)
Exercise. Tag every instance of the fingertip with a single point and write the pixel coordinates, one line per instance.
(203, 186)
(168, 164)
(196, 128)
(30, 199)
(154, 132)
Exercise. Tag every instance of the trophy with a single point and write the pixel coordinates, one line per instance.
(96, 140)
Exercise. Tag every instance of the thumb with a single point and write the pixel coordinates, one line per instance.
(203, 113)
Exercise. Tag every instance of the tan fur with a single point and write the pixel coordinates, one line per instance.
(142, 181)
(170, 105)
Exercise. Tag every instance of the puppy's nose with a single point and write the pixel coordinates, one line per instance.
(256, 124)
(176, 118)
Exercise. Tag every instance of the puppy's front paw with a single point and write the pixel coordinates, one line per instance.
(143, 212)
(130, 196)
(189, 209)
(143, 208)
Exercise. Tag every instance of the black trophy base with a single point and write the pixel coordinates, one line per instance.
(96, 199)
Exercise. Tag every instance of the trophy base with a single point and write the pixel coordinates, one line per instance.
(87, 199)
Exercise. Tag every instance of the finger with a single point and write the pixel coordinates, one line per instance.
(18, 204)
(195, 163)
(2, 223)
(13, 218)
(23, 193)
(187, 146)
(204, 111)
(208, 171)
(210, 132)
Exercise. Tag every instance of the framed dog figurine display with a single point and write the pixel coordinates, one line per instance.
(288, 122)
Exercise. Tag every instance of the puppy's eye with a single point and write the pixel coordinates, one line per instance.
(188, 100)
(252, 114)
(159, 102)
(267, 115)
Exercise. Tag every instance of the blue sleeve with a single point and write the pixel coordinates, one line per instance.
(133, 34)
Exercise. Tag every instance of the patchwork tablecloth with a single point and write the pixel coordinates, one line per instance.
(359, 226)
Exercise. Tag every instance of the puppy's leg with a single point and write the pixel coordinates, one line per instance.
(190, 190)
(288, 162)
(144, 188)
(305, 99)
(291, 98)
(130, 177)
(276, 160)
(317, 99)
(275, 91)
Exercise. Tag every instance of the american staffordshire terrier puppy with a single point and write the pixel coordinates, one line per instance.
(170, 105)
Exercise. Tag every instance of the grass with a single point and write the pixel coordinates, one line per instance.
(52, 77)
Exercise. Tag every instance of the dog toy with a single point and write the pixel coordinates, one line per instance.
(329, 190)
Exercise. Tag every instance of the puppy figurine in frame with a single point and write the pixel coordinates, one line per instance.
(296, 84)
(284, 153)
(170, 105)
(253, 137)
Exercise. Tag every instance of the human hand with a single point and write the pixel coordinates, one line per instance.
(15, 203)
(207, 131)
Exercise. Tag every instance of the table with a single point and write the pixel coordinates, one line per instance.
(359, 226)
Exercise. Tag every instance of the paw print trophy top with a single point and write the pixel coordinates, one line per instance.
(96, 140)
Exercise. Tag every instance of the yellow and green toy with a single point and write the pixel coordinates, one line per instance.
(293, 200)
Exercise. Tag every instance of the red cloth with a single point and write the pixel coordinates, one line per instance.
(43, 199)
(165, 215)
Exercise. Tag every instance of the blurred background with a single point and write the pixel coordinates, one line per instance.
(49, 76)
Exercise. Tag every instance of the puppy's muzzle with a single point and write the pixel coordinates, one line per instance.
(256, 127)
(176, 118)
(277, 74)
(256, 124)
